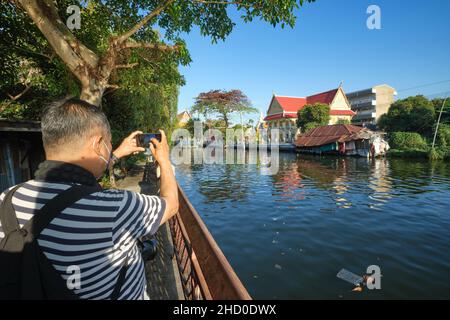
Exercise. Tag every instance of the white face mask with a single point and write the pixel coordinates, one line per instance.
(109, 157)
(103, 158)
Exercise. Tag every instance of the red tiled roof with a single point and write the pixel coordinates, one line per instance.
(323, 97)
(294, 104)
(291, 104)
(326, 134)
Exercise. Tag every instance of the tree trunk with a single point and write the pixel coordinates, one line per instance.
(92, 94)
(80, 60)
(225, 118)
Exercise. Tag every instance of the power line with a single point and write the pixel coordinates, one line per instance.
(424, 85)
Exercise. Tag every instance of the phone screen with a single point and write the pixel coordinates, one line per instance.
(143, 140)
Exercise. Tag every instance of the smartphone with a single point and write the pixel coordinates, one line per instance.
(143, 140)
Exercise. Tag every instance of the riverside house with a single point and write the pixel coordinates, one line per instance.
(183, 118)
(342, 139)
(282, 112)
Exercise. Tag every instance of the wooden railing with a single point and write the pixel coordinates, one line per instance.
(204, 271)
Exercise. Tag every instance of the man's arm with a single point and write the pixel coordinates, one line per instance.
(160, 151)
(169, 191)
(169, 188)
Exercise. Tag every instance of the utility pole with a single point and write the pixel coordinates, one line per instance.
(439, 120)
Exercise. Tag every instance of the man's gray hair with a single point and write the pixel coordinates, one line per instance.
(72, 120)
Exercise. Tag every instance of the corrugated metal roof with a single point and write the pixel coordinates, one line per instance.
(326, 134)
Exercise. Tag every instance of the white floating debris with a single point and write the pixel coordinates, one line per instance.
(277, 266)
(349, 277)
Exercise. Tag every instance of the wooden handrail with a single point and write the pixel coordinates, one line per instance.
(216, 271)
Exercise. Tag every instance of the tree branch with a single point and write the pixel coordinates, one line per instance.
(74, 54)
(48, 57)
(122, 38)
(224, 2)
(16, 97)
(162, 47)
(126, 66)
(112, 86)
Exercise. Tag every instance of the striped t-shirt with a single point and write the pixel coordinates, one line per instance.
(93, 236)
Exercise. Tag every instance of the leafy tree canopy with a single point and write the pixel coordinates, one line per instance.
(222, 103)
(318, 114)
(118, 35)
(413, 114)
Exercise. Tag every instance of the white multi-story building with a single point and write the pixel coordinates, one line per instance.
(370, 104)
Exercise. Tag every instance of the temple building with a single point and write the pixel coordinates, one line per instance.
(282, 112)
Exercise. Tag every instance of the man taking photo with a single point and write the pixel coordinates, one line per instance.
(61, 235)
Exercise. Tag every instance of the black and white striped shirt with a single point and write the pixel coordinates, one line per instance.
(94, 235)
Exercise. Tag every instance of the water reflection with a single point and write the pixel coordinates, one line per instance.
(287, 235)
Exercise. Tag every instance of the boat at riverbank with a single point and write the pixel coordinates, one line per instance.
(342, 139)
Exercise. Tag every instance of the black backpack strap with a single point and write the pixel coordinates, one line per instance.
(8, 217)
(120, 280)
(54, 207)
(46, 214)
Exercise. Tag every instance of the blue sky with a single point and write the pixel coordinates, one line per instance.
(330, 43)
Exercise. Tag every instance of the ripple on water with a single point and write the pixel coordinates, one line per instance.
(320, 214)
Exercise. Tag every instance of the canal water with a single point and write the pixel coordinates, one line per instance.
(287, 235)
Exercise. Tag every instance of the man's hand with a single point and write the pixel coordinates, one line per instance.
(160, 150)
(128, 146)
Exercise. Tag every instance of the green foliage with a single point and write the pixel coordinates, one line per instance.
(152, 109)
(190, 125)
(31, 75)
(407, 140)
(443, 135)
(21, 41)
(310, 126)
(438, 103)
(318, 114)
(439, 153)
(216, 124)
(413, 114)
(214, 19)
(410, 153)
(222, 103)
(105, 181)
(343, 121)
